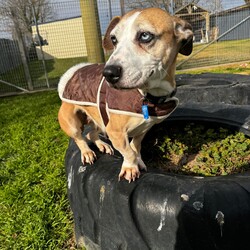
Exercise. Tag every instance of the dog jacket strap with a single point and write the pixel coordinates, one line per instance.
(101, 98)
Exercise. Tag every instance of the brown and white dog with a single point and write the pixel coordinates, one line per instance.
(140, 72)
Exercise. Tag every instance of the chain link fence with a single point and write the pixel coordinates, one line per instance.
(34, 55)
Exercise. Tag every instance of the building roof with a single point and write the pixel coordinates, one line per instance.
(235, 9)
(190, 8)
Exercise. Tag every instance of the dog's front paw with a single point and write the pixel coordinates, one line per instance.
(129, 173)
(88, 156)
(104, 147)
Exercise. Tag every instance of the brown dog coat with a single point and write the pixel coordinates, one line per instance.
(87, 86)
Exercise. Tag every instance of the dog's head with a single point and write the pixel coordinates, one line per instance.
(145, 45)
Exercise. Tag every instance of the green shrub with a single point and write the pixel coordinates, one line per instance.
(200, 149)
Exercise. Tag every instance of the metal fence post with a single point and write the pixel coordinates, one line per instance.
(92, 32)
(122, 6)
(40, 45)
(22, 51)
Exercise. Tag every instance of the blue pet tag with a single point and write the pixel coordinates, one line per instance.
(145, 111)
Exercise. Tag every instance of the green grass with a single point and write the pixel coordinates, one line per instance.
(55, 69)
(217, 53)
(235, 68)
(34, 210)
(60, 66)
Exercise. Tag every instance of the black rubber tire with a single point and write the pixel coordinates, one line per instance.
(161, 211)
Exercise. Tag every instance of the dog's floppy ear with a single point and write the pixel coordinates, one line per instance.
(107, 43)
(184, 35)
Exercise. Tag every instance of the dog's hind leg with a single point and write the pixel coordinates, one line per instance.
(72, 123)
(93, 136)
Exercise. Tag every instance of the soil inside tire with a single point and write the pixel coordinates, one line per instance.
(196, 148)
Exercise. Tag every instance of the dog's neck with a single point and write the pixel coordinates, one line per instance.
(159, 87)
(162, 83)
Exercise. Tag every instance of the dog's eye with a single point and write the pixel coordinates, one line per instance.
(114, 40)
(145, 37)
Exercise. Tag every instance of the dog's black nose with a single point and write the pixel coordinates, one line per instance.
(112, 73)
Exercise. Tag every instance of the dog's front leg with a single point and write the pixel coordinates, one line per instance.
(120, 141)
(93, 136)
(136, 146)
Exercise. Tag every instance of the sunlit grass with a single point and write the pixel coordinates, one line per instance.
(34, 210)
(242, 68)
(217, 53)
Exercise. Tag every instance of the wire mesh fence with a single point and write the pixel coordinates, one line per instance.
(219, 36)
(60, 34)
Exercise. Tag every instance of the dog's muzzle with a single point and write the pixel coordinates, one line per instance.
(112, 73)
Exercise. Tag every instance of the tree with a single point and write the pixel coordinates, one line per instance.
(168, 5)
(22, 13)
(173, 5)
(164, 4)
(213, 5)
(23, 10)
(180, 3)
